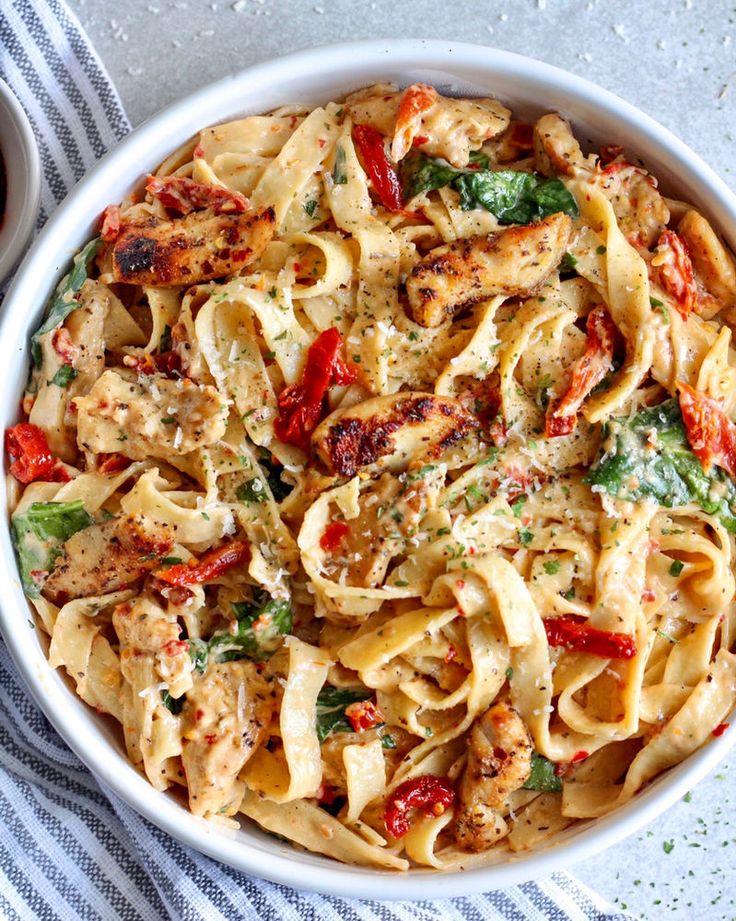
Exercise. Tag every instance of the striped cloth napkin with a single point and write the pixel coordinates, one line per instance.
(69, 848)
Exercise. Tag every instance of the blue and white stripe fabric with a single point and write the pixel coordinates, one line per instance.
(69, 848)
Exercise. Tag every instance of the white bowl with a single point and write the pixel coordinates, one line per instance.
(23, 174)
(313, 77)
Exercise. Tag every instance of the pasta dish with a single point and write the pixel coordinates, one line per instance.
(378, 476)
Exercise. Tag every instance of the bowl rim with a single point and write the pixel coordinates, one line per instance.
(23, 174)
(54, 247)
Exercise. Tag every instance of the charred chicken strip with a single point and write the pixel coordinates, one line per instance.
(389, 432)
(499, 762)
(514, 262)
(225, 719)
(201, 246)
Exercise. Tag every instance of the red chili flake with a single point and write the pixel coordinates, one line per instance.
(30, 455)
(198, 152)
(185, 195)
(720, 729)
(459, 583)
(175, 647)
(168, 363)
(711, 433)
(211, 738)
(419, 140)
(364, 714)
(326, 794)
(301, 404)
(579, 756)
(213, 564)
(63, 345)
(572, 633)
(648, 595)
(609, 152)
(112, 463)
(676, 272)
(110, 223)
(382, 173)
(587, 372)
(321, 142)
(199, 713)
(433, 795)
(451, 654)
(333, 535)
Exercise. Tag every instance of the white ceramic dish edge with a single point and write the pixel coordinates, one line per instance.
(23, 174)
(331, 70)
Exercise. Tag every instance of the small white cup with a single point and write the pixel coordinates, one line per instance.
(23, 178)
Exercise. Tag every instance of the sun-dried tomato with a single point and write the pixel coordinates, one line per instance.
(213, 564)
(711, 433)
(676, 272)
(30, 455)
(572, 633)
(382, 173)
(587, 372)
(301, 404)
(433, 795)
(184, 195)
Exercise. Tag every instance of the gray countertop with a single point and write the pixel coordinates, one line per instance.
(674, 59)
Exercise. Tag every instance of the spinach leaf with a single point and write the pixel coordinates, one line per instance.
(543, 777)
(38, 534)
(64, 376)
(174, 704)
(648, 456)
(198, 653)
(260, 629)
(272, 470)
(331, 704)
(513, 196)
(63, 302)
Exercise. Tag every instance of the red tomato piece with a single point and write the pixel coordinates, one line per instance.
(213, 564)
(587, 372)
(415, 101)
(676, 272)
(377, 165)
(112, 463)
(185, 195)
(711, 433)
(433, 795)
(110, 223)
(333, 535)
(30, 455)
(364, 714)
(579, 636)
(301, 404)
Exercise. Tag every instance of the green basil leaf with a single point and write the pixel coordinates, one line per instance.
(260, 630)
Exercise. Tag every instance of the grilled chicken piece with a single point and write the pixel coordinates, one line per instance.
(440, 126)
(191, 249)
(144, 628)
(106, 557)
(499, 762)
(514, 262)
(225, 719)
(150, 416)
(714, 265)
(390, 432)
(556, 152)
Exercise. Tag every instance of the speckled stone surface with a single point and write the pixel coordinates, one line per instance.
(675, 59)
